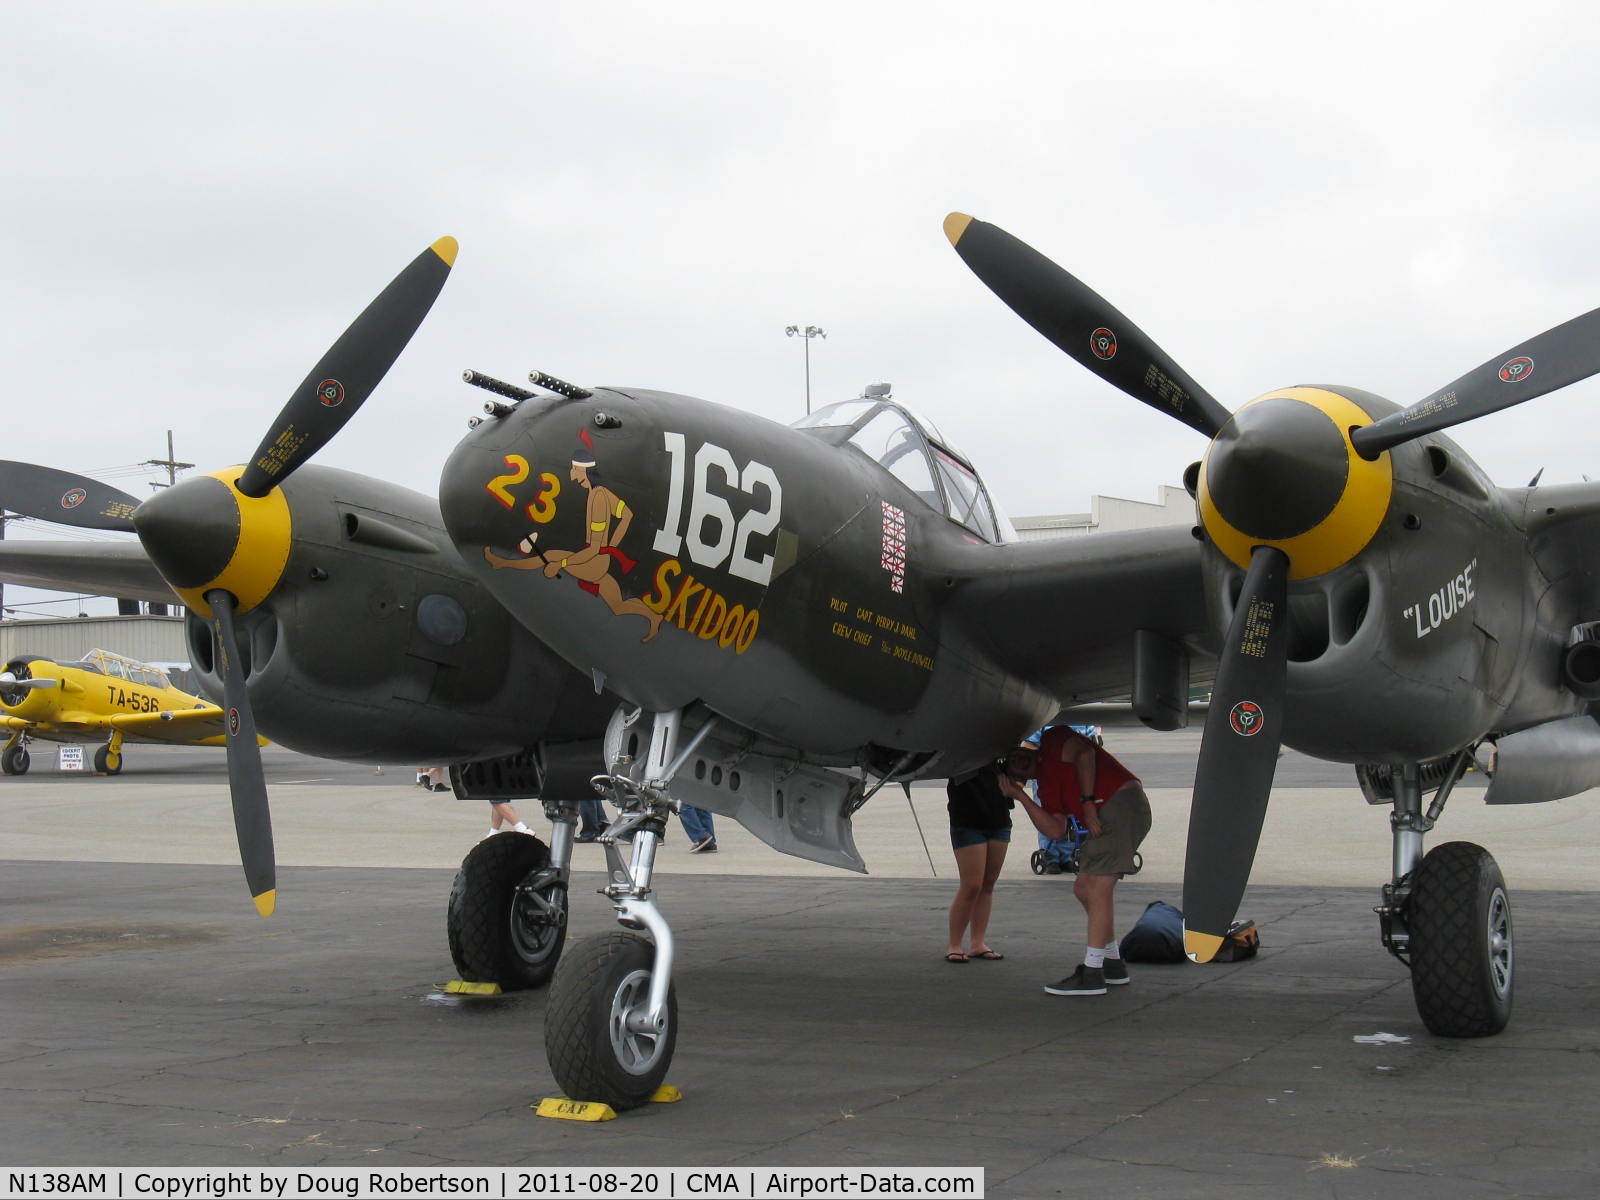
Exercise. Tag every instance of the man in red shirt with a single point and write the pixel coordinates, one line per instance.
(1078, 778)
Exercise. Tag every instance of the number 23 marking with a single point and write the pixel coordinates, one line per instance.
(543, 506)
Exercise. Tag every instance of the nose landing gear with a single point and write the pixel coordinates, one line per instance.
(613, 1019)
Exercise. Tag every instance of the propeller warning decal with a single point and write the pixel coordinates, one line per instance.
(1245, 718)
(74, 498)
(331, 393)
(1517, 369)
(1103, 344)
(233, 722)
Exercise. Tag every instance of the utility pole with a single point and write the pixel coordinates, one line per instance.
(169, 462)
(809, 332)
(5, 519)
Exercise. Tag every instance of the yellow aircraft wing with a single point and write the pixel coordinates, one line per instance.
(202, 726)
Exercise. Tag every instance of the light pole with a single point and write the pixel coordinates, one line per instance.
(809, 332)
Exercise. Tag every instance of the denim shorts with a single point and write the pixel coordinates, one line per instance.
(962, 836)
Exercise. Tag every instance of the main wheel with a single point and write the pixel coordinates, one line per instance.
(15, 761)
(1459, 918)
(107, 761)
(507, 917)
(593, 1053)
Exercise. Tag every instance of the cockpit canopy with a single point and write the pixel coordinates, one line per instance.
(107, 662)
(913, 451)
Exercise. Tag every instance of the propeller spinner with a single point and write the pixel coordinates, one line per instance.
(1294, 485)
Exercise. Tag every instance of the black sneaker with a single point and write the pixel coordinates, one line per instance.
(1085, 981)
(1115, 971)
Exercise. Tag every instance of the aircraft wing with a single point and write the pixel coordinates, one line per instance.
(98, 568)
(1062, 612)
(1563, 524)
(203, 726)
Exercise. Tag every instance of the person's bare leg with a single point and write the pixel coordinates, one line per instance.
(1094, 892)
(969, 864)
(994, 859)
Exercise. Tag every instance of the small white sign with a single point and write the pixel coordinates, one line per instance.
(71, 758)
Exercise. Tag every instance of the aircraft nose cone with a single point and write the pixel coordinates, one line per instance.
(190, 530)
(1277, 469)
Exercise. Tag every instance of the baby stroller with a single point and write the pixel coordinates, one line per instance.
(1059, 856)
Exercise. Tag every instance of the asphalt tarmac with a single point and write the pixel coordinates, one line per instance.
(151, 1018)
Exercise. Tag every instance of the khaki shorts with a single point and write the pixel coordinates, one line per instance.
(1124, 821)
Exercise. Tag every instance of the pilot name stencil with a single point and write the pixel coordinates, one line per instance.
(1445, 603)
(876, 628)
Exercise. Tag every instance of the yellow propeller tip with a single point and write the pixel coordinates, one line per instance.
(446, 248)
(267, 902)
(955, 225)
(1200, 947)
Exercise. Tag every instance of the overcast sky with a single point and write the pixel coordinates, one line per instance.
(200, 196)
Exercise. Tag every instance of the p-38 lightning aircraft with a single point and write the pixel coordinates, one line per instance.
(103, 698)
(796, 616)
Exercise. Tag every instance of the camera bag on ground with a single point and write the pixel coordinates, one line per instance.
(1241, 941)
(1157, 936)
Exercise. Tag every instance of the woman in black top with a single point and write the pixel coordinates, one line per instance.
(980, 831)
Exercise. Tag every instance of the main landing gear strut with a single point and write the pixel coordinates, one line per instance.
(1445, 914)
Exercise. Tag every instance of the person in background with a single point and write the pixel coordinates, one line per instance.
(592, 818)
(503, 819)
(1078, 778)
(979, 805)
(702, 831)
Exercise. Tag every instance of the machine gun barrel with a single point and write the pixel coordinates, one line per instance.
(560, 386)
(498, 386)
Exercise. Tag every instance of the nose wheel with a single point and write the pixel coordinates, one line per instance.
(600, 1039)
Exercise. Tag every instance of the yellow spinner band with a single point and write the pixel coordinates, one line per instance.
(265, 530)
(1345, 531)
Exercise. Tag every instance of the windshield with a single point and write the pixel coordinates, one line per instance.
(846, 412)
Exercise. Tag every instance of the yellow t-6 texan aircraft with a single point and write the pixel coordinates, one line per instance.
(104, 698)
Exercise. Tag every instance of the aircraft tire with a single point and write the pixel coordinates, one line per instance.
(1036, 862)
(498, 934)
(106, 762)
(592, 1053)
(16, 761)
(1459, 918)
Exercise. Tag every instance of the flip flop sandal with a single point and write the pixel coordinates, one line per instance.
(990, 955)
(954, 957)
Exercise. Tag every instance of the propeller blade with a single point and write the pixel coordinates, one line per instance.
(252, 820)
(1082, 323)
(1552, 360)
(1238, 755)
(349, 371)
(10, 683)
(64, 498)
